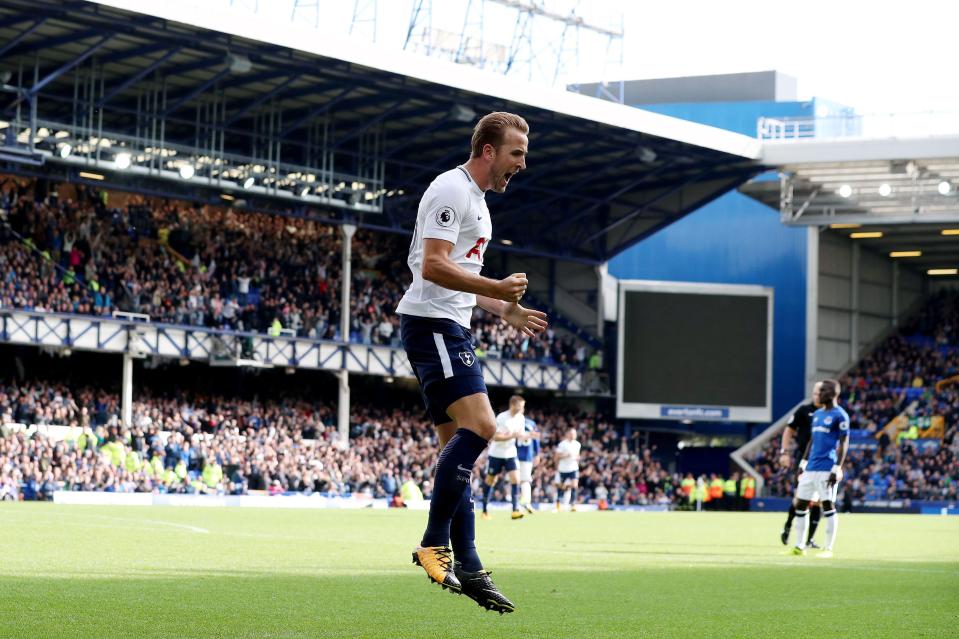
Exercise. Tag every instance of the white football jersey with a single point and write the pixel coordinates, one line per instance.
(507, 424)
(571, 463)
(452, 209)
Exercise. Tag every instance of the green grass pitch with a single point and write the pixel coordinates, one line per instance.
(142, 572)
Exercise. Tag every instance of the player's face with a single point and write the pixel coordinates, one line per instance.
(571, 435)
(828, 394)
(508, 159)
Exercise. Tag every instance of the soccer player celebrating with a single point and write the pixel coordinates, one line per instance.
(526, 452)
(510, 425)
(821, 466)
(453, 231)
(567, 469)
(799, 428)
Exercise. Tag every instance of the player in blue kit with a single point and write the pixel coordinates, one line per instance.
(821, 466)
(526, 453)
(453, 231)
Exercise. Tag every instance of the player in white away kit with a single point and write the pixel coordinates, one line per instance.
(567, 469)
(503, 456)
(821, 466)
(453, 231)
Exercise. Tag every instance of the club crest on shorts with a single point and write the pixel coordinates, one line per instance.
(445, 217)
(468, 357)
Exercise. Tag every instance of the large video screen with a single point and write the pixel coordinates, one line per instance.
(694, 351)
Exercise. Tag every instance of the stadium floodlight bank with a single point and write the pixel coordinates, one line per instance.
(697, 352)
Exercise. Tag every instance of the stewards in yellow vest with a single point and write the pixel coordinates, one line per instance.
(410, 492)
(702, 493)
(688, 486)
(212, 475)
(729, 492)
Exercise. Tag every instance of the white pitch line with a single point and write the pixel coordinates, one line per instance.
(195, 529)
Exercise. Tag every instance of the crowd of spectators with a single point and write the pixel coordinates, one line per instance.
(208, 444)
(898, 377)
(217, 267)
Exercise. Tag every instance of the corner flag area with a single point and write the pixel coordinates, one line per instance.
(89, 571)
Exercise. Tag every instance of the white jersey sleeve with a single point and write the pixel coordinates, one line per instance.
(443, 209)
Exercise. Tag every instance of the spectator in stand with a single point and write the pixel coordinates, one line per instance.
(216, 267)
(204, 444)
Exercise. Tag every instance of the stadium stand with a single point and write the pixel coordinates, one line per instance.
(74, 250)
(903, 405)
(62, 437)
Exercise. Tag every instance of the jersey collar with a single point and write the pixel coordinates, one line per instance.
(469, 178)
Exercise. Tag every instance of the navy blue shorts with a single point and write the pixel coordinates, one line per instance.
(443, 360)
(562, 478)
(496, 465)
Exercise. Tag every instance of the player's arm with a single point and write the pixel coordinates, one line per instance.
(789, 433)
(440, 269)
(527, 320)
(502, 430)
(805, 457)
(836, 473)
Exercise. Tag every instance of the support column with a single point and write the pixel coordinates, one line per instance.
(126, 396)
(854, 309)
(894, 310)
(343, 406)
(812, 307)
(601, 271)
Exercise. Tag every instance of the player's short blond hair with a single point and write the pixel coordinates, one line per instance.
(491, 129)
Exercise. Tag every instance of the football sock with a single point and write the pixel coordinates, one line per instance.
(453, 472)
(832, 523)
(566, 497)
(527, 493)
(815, 512)
(573, 497)
(514, 495)
(463, 533)
(801, 528)
(487, 493)
(790, 516)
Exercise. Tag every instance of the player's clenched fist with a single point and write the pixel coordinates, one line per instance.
(512, 288)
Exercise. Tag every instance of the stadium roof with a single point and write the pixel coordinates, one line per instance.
(900, 192)
(601, 176)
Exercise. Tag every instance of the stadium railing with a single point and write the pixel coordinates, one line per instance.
(219, 347)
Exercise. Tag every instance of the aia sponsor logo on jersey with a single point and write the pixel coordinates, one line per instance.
(477, 250)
